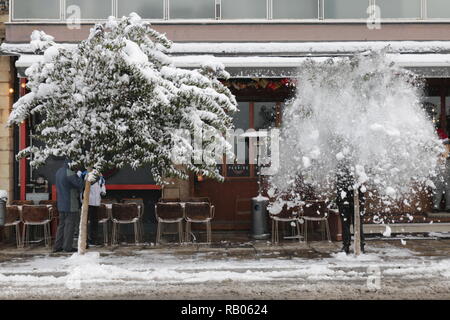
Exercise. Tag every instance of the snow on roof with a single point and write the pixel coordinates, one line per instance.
(427, 65)
(279, 48)
(195, 61)
(311, 47)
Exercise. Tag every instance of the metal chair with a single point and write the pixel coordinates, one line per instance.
(169, 212)
(104, 217)
(198, 212)
(125, 213)
(36, 215)
(12, 219)
(316, 211)
(286, 215)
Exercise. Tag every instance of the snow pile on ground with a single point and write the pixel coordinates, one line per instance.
(148, 272)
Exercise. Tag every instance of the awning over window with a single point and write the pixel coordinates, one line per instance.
(427, 65)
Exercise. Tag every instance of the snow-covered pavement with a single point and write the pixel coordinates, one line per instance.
(413, 269)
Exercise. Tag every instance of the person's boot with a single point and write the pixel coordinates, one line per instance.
(345, 249)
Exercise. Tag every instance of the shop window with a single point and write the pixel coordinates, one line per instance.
(345, 9)
(248, 9)
(192, 9)
(399, 8)
(295, 9)
(240, 167)
(42, 9)
(99, 9)
(265, 115)
(438, 9)
(147, 9)
(432, 106)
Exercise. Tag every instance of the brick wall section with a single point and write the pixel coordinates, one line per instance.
(6, 134)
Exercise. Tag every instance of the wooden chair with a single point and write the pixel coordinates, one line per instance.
(125, 213)
(140, 202)
(108, 201)
(55, 215)
(198, 212)
(168, 213)
(12, 219)
(36, 215)
(22, 202)
(166, 200)
(316, 211)
(197, 199)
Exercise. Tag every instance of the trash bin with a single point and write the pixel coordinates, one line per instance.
(3, 199)
(259, 218)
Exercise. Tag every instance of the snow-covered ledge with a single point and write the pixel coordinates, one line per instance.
(406, 228)
(427, 65)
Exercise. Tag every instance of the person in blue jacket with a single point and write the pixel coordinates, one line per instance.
(68, 187)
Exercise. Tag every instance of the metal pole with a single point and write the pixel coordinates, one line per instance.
(357, 222)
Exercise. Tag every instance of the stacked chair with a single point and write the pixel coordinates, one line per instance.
(191, 210)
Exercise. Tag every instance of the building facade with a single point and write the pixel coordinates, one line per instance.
(261, 43)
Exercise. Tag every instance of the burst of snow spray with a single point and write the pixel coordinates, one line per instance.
(362, 111)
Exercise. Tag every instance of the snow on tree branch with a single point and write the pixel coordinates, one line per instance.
(116, 100)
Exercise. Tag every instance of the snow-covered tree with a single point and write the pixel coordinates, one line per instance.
(361, 113)
(116, 100)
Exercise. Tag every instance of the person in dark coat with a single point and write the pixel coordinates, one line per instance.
(345, 203)
(68, 187)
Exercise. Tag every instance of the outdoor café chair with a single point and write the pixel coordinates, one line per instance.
(36, 215)
(169, 213)
(286, 215)
(197, 199)
(125, 213)
(316, 211)
(104, 218)
(140, 202)
(55, 213)
(198, 212)
(108, 201)
(12, 219)
(22, 202)
(169, 200)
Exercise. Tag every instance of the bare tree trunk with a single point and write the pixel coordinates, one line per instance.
(82, 236)
(357, 223)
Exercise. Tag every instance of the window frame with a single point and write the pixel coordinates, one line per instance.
(251, 115)
(218, 16)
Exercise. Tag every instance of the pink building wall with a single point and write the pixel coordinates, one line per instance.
(252, 32)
